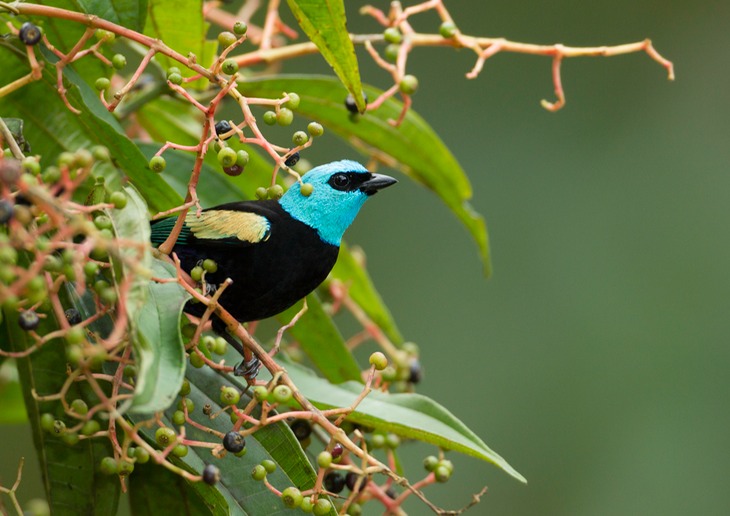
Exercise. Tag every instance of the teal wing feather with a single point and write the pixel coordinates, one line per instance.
(161, 229)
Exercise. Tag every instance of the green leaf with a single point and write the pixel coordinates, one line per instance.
(70, 477)
(325, 23)
(180, 24)
(361, 289)
(158, 344)
(55, 129)
(409, 415)
(11, 395)
(413, 147)
(320, 339)
(128, 13)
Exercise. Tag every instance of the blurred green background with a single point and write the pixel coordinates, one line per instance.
(596, 358)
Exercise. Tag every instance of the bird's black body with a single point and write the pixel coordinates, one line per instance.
(274, 251)
(268, 276)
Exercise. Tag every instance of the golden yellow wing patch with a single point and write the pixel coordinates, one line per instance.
(219, 224)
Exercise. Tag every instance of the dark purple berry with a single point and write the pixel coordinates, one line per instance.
(28, 320)
(234, 442)
(211, 474)
(301, 428)
(350, 102)
(292, 160)
(6, 211)
(415, 373)
(30, 34)
(72, 316)
(337, 450)
(233, 170)
(223, 127)
(334, 482)
(351, 480)
(390, 492)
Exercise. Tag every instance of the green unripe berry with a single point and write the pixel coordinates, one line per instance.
(119, 61)
(315, 129)
(292, 497)
(47, 422)
(220, 346)
(293, 101)
(196, 360)
(175, 78)
(59, 427)
(261, 193)
(324, 459)
(230, 396)
(392, 441)
(103, 222)
(180, 450)
(408, 84)
(242, 158)
(282, 394)
(377, 440)
(227, 157)
(441, 474)
(91, 268)
(173, 69)
(108, 466)
(118, 199)
(240, 28)
(307, 505)
(210, 266)
(270, 117)
(126, 468)
(285, 117)
(185, 389)
(300, 138)
(31, 166)
(74, 355)
(430, 462)
(226, 39)
(391, 52)
(158, 164)
(322, 507)
(269, 465)
(275, 192)
(229, 66)
(379, 360)
(165, 436)
(447, 29)
(75, 335)
(80, 407)
(260, 393)
(196, 273)
(102, 84)
(392, 35)
(51, 175)
(447, 464)
(90, 427)
(100, 153)
(355, 509)
(108, 296)
(306, 189)
(258, 473)
(70, 438)
(142, 455)
(186, 403)
(104, 35)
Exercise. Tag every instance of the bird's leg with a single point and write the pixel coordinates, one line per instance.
(250, 366)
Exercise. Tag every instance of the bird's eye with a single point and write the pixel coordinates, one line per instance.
(340, 181)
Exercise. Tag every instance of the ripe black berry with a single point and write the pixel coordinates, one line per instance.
(350, 102)
(6, 211)
(415, 372)
(234, 442)
(211, 474)
(30, 34)
(233, 170)
(223, 127)
(334, 482)
(28, 320)
(292, 160)
(301, 428)
(351, 480)
(72, 316)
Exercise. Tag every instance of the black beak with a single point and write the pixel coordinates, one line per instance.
(376, 182)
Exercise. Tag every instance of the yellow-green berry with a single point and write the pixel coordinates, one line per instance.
(258, 473)
(158, 164)
(408, 84)
(230, 396)
(119, 61)
(226, 39)
(379, 360)
(269, 465)
(306, 189)
(315, 129)
(300, 138)
(242, 158)
(261, 192)
(391, 52)
(109, 466)
(293, 101)
(292, 497)
(275, 192)
(270, 118)
(229, 66)
(165, 436)
(447, 29)
(285, 117)
(392, 35)
(175, 78)
(118, 199)
(227, 157)
(210, 266)
(102, 83)
(282, 394)
(324, 459)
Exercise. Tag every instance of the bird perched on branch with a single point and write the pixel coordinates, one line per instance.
(275, 251)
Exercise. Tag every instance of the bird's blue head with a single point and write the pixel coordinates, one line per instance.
(339, 189)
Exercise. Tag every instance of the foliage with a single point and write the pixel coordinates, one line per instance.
(111, 372)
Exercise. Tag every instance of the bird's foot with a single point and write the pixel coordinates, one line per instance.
(248, 368)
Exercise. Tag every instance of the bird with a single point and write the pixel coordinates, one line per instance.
(275, 251)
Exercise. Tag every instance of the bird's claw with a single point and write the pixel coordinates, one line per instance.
(248, 368)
